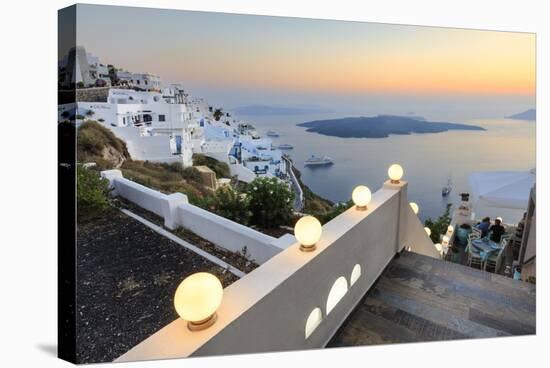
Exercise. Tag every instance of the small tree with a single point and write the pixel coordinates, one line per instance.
(92, 194)
(229, 203)
(336, 210)
(270, 202)
(439, 226)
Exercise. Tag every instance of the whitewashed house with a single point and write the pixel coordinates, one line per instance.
(140, 81)
(153, 129)
(161, 123)
(81, 67)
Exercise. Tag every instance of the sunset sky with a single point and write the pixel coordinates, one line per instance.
(258, 55)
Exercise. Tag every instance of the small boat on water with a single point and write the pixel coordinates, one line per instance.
(446, 190)
(271, 133)
(285, 146)
(318, 161)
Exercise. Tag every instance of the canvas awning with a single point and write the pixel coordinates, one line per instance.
(502, 189)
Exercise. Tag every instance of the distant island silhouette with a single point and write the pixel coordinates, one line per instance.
(530, 114)
(381, 126)
(278, 110)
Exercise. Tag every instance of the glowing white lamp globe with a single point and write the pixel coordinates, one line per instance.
(197, 299)
(445, 241)
(361, 197)
(450, 230)
(438, 247)
(308, 231)
(414, 207)
(428, 231)
(395, 173)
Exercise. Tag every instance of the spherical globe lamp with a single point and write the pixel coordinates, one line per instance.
(438, 247)
(395, 173)
(450, 230)
(414, 207)
(308, 231)
(428, 231)
(361, 196)
(197, 299)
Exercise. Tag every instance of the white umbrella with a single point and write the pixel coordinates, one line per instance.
(502, 189)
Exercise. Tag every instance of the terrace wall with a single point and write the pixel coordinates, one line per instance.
(176, 211)
(226, 233)
(269, 308)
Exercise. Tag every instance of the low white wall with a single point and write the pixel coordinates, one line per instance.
(161, 204)
(267, 310)
(416, 237)
(226, 233)
(176, 211)
(295, 181)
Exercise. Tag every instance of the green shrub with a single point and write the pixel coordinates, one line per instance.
(220, 168)
(191, 174)
(439, 226)
(336, 210)
(92, 194)
(92, 138)
(175, 167)
(270, 202)
(167, 178)
(229, 203)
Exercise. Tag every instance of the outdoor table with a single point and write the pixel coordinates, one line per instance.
(485, 247)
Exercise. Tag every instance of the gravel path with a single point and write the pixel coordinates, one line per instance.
(126, 277)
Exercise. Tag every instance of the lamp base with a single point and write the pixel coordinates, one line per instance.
(204, 324)
(395, 181)
(360, 208)
(310, 248)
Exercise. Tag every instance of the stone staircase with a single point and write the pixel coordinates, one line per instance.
(420, 298)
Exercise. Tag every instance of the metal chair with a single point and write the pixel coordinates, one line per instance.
(476, 231)
(472, 237)
(474, 258)
(494, 261)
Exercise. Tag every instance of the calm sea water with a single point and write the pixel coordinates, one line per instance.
(428, 159)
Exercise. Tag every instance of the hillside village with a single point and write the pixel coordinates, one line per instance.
(162, 137)
(163, 123)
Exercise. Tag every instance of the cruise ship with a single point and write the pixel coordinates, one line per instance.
(318, 161)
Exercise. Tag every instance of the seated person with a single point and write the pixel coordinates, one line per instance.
(497, 230)
(484, 226)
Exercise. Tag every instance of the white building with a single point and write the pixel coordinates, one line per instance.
(153, 129)
(161, 123)
(81, 67)
(140, 81)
